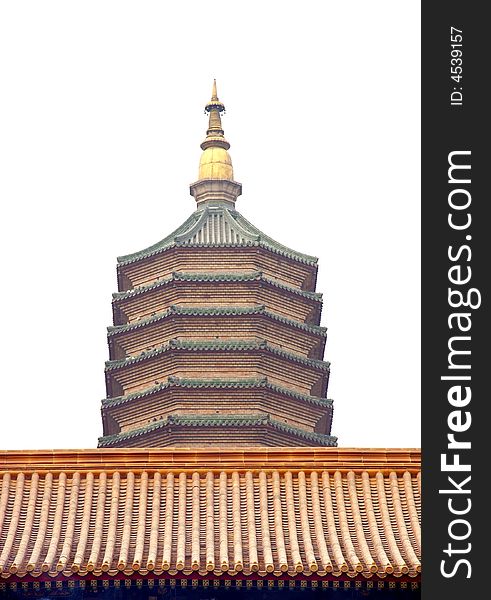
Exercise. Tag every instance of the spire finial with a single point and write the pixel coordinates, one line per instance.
(214, 135)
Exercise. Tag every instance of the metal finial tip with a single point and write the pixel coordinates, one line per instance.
(214, 95)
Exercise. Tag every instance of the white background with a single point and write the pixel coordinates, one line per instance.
(101, 117)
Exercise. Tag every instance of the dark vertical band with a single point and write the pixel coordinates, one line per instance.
(456, 256)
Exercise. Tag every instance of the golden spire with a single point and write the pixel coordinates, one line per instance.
(215, 161)
(215, 183)
(214, 134)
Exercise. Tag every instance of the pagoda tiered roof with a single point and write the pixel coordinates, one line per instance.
(216, 301)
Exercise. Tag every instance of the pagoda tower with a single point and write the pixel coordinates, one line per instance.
(216, 338)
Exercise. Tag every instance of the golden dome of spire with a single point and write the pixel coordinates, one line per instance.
(215, 185)
(215, 161)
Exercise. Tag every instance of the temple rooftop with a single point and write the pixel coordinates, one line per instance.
(291, 511)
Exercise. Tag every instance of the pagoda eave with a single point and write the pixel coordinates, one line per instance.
(186, 289)
(245, 323)
(207, 430)
(227, 359)
(221, 397)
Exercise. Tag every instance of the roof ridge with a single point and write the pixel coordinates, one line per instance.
(216, 311)
(216, 345)
(270, 241)
(195, 226)
(222, 420)
(246, 383)
(162, 244)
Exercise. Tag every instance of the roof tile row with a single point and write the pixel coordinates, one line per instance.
(251, 520)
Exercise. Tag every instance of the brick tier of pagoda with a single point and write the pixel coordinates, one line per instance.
(216, 338)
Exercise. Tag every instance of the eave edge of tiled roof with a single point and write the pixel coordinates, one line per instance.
(216, 383)
(222, 421)
(230, 345)
(216, 311)
(214, 277)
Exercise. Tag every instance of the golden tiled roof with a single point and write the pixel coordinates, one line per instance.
(280, 511)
